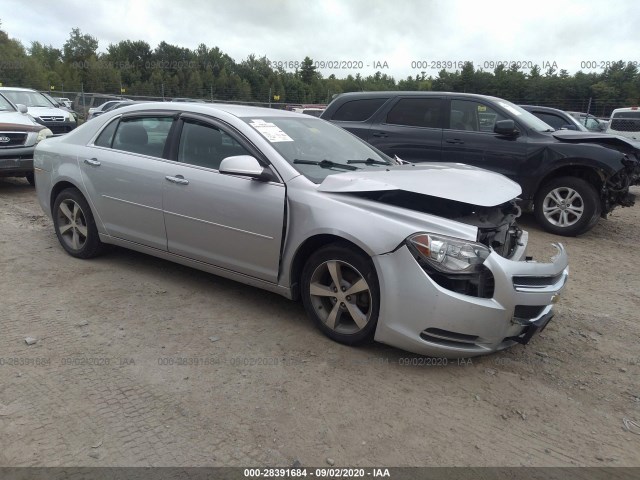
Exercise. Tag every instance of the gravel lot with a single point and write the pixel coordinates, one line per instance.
(142, 362)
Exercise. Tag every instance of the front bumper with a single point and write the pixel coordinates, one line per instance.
(16, 161)
(418, 315)
(58, 128)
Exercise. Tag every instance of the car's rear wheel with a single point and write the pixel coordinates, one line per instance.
(31, 178)
(74, 225)
(567, 206)
(341, 294)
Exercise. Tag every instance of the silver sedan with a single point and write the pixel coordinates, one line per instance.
(427, 258)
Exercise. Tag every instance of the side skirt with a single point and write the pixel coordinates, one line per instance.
(206, 267)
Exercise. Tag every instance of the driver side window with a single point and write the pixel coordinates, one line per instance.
(472, 116)
(206, 146)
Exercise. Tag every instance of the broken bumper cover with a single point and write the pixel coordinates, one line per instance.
(420, 316)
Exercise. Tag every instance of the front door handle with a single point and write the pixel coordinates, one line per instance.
(379, 135)
(455, 141)
(179, 179)
(92, 161)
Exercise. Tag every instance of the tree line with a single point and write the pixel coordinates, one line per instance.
(133, 68)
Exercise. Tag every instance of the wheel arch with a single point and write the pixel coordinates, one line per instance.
(59, 187)
(308, 248)
(591, 174)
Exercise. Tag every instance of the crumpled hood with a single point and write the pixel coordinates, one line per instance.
(599, 138)
(453, 181)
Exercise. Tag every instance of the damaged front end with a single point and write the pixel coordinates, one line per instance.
(615, 190)
(497, 230)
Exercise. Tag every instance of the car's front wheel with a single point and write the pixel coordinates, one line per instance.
(74, 225)
(341, 293)
(567, 206)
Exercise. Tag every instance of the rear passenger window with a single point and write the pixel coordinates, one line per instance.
(106, 136)
(417, 112)
(206, 145)
(144, 135)
(358, 110)
(552, 120)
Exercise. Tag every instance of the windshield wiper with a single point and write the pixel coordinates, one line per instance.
(325, 164)
(370, 161)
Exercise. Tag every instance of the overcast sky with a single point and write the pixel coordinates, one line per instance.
(366, 33)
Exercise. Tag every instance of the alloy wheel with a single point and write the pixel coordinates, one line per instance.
(563, 207)
(341, 296)
(72, 224)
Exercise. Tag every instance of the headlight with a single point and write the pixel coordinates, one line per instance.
(72, 119)
(448, 254)
(42, 134)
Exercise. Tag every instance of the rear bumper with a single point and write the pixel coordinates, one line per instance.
(418, 315)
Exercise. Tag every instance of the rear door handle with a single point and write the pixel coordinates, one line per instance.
(179, 179)
(379, 135)
(455, 141)
(92, 161)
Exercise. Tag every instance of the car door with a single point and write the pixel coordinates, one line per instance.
(410, 128)
(123, 173)
(229, 221)
(469, 138)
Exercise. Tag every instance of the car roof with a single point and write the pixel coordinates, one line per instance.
(232, 109)
(626, 109)
(430, 93)
(543, 109)
(17, 89)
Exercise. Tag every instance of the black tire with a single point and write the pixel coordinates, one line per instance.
(31, 179)
(365, 304)
(587, 200)
(86, 246)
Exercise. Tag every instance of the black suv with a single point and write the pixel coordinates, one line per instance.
(568, 178)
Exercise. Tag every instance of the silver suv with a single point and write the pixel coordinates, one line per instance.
(19, 134)
(57, 120)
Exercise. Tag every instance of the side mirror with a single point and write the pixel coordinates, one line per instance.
(243, 165)
(22, 108)
(602, 126)
(505, 127)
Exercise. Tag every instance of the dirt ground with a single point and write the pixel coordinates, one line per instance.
(141, 362)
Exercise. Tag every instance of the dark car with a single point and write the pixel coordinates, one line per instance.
(558, 119)
(568, 178)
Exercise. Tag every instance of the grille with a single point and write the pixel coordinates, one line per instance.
(52, 118)
(12, 139)
(55, 129)
(534, 282)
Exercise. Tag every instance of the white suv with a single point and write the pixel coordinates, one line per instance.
(57, 120)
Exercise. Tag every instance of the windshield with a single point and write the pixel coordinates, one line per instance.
(5, 105)
(576, 122)
(28, 98)
(52, 100)
(527, 118)
(316, 148)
